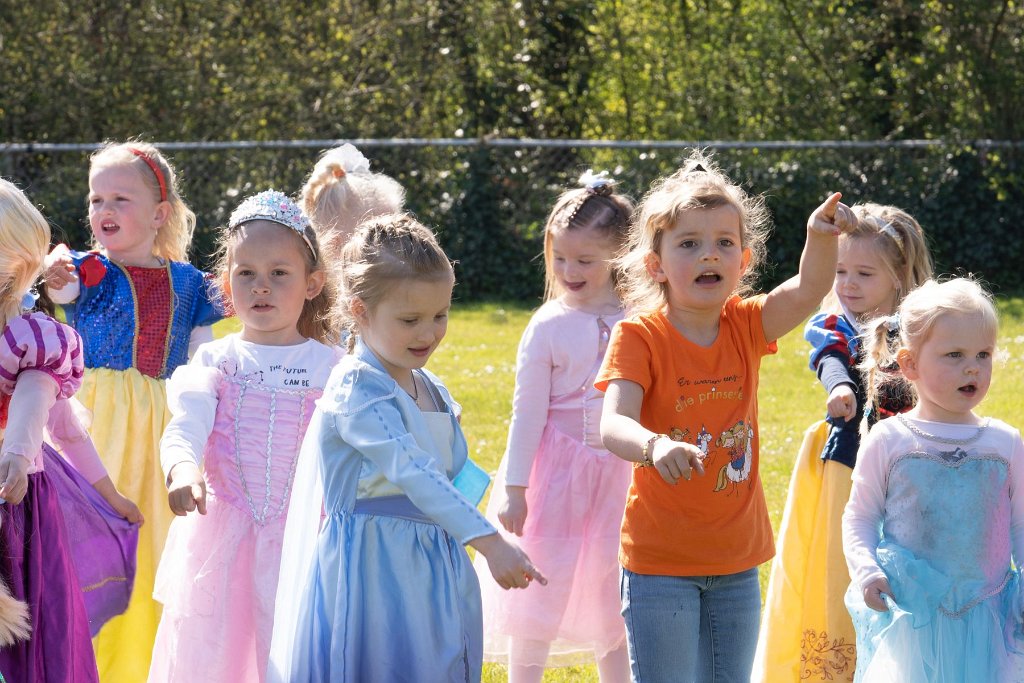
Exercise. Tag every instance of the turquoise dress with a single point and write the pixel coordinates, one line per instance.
(951, 521)
(385, 591)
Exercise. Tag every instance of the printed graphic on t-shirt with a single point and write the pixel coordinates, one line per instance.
(739, 443)
(736, 442)
(276, 374)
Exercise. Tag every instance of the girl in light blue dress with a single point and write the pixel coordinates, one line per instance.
(385, 591)
(935, 520)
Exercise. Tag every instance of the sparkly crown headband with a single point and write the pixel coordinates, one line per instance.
(276, 207)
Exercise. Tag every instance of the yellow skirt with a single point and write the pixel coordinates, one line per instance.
(806, 631)
(129, 413)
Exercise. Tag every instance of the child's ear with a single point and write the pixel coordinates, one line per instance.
(653, 264)
(747, 255)
(907, 363)
(314, 284)
(161, 214)
(358, 309)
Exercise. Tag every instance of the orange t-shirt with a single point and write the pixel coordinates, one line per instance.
(707, 396)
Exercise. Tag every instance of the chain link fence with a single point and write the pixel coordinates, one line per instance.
(488, 198)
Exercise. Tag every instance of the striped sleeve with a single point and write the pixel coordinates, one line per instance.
(35, 341)
(830, 335)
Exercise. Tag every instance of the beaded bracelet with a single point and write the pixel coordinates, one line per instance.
(645, 454)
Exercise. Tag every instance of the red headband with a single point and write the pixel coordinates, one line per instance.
(156, 171)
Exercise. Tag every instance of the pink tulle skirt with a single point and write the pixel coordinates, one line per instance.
(217, 581)
(575, 502)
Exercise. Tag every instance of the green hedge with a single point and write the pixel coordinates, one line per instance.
(488, 203)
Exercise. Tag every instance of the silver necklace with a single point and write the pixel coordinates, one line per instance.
(942, 439)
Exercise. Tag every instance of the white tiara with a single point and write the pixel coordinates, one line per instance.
(273, 206)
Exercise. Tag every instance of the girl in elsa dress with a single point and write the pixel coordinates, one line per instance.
(936, 514)
(381, 589)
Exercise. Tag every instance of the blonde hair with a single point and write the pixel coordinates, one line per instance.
(24, 241)
(337, 198)
(175, 235)
(382, 252)
(898, 240)
(914, 320)
(700, 184)
(318, 318)
(581, 209)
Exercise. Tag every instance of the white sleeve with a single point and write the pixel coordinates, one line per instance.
(200, 335)
(192, 400)
(66, 294)
(862, 518)
(1017, 499)
(530, 404)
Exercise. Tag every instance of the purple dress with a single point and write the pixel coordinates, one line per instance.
(40, 560)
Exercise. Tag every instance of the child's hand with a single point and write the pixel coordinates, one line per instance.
(832, 217)
(676, 459)
(842, 402)
(122, 506)
(873, 591)
(187, 491)
(509, 565)
(58, 269)
(513, 513)
(13, 477)
(126, 508)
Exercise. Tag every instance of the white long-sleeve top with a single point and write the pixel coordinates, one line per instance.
(192, 389)
(559, 355)
(872, 504)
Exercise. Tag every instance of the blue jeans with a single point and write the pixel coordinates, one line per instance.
(685, 629)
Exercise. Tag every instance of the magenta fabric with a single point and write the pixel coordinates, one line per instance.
(37, 566)
(101, 542)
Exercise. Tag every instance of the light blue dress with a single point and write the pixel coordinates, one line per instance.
(948, 529)
(386, 591)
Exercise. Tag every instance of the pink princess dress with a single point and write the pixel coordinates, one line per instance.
(576, 493)
(217, 577)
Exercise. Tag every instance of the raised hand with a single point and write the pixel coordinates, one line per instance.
(832, 217)
(58, 270)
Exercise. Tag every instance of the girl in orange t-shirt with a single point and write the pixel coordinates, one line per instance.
(681, 381)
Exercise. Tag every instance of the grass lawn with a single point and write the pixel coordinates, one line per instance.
(477, 362)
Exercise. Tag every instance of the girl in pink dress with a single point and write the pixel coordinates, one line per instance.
(41, 367)
(557, 487)
(240, 410)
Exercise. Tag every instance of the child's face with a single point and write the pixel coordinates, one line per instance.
(123, 213)
(952, 368)
(407, 324)
(863, 284)
(700, 259)
(581, 261)
(269, 282)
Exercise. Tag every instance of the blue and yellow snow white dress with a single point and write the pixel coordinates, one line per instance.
(135, 324)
